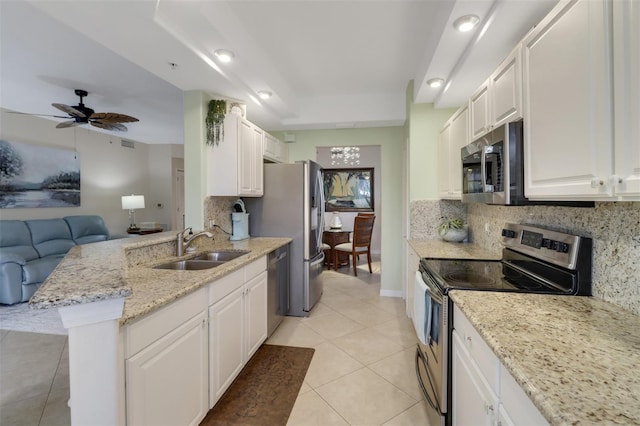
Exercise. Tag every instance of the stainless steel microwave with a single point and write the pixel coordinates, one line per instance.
(493, 167)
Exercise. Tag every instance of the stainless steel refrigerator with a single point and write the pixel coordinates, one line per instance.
(293, 206)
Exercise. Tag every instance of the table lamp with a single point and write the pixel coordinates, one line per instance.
(132, 202)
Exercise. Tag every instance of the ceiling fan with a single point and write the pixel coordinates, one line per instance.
(81, 114)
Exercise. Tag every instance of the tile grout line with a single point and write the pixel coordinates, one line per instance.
(52, 381)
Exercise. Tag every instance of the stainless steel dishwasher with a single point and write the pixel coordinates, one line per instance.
(278, 287)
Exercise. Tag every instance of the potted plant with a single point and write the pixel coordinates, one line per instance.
(453, 230)
(215, 121)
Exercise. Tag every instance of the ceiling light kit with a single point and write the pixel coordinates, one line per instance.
(264, 94)
(434, 83)
(466, 23)
(224, 55)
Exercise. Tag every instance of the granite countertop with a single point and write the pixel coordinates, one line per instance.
(446, 250)
(576, 357)
(123, 268)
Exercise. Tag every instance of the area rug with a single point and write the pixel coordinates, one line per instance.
(265, 390)
(20, 317)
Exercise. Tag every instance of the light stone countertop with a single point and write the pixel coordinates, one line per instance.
(441, 249)
(576, 357)
(122, 268)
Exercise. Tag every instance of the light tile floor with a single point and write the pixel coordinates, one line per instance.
(361, 374)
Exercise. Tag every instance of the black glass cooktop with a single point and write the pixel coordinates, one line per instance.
(492, 275)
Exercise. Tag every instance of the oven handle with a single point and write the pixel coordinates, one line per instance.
(419, 358)
(432, 288)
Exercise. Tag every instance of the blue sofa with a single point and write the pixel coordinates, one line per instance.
(31, 249)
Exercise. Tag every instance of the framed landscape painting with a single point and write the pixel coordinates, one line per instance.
(348, 190)
(36, 176)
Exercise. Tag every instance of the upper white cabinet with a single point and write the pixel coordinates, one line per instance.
(568, 112)
(275, 150)
(480, 122)
(499, 99)
(453, 137)
(234, 167)
(626, 66)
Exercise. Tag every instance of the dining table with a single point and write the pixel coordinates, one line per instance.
(332, 237)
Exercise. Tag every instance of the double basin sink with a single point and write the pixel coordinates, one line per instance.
(203, 261)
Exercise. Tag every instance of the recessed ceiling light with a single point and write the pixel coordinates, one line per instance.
(434, 83)
(264, 94)
(224, 55)
(466, 23)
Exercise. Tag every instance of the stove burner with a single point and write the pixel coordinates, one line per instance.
(469, 278)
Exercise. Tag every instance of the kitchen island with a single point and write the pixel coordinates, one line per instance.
(575, 357)
(123, 316)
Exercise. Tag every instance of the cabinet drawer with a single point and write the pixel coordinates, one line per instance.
(254, 268)
(487, 361)
(142, 333)
(225, 285)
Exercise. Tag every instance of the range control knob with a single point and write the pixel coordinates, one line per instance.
(508, 233)
(562, 247)
(546, 243)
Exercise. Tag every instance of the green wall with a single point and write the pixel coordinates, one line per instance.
(391, 141)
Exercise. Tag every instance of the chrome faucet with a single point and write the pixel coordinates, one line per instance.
(184, 241)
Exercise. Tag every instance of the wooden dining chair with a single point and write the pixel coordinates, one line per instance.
(361, 243)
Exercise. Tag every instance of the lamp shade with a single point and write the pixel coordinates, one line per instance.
(130, 202)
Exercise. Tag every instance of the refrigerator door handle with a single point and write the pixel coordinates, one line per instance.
(320, 196)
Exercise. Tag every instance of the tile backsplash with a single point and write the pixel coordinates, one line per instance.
(613, 226)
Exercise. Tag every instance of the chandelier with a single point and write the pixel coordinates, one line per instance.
(345, 156)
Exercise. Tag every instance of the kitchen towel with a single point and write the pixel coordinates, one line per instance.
(421, 309)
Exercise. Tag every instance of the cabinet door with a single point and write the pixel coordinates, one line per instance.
(506, 90)
(626, 51)
(256, 313)
(167, 381)
(444, 186)
(458, 138)
(567, 109)
(479, 111)
(245, 158)
(271, 148)
(473, 399)
(227, 335)
(257, 178)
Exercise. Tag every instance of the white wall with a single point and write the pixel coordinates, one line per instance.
(107, 171)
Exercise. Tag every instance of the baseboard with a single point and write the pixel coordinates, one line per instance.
(392, 293)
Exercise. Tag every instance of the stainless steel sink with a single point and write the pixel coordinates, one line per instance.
(221, 256)
(190, 265)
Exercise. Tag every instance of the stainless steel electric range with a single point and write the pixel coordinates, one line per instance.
(534, 260)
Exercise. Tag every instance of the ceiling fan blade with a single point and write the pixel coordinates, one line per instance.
(70, 110)
(113, 117)
(65, 124)
(109, 126)
(39, 115)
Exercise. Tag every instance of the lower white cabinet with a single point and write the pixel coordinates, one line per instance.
(167, 381)
(484, 392)
(237, 324)
(474, 400)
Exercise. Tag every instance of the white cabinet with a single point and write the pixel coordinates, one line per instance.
(453, 137)
(167, 364)
(568, 136)
(474, 400)
(499, 99)
(234, 167)
(484, 392)
(238, 323)
(412, 266)
(480, 122)
(275, 150)
(626, 66)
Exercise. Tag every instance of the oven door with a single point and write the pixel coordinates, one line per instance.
(431, 323)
